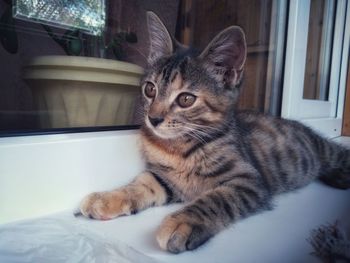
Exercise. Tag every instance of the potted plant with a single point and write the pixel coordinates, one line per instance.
(80, 91)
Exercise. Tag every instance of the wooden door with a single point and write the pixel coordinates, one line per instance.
(202, 20)
(346, 118)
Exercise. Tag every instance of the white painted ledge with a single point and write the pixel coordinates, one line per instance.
(343, 140)
(44, 174)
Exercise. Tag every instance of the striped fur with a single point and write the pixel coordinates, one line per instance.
(225, 164)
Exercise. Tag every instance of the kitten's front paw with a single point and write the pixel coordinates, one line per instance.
(105, 205)
(177, 234)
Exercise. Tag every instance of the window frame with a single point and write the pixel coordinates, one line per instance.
(53, 131)
(323, 116)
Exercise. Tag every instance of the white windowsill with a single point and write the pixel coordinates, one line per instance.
(343, 140)
(42, 175)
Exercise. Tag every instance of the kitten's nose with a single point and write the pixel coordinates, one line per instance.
(155, 121)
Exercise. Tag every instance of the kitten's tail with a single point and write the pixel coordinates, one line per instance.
(335, 169)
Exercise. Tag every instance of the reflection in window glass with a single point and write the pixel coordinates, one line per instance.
(86, 15)
(54, 77)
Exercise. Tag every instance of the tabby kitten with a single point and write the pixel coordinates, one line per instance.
(225, 164)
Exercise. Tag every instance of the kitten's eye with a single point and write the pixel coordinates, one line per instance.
(186, 100)
(150, 90)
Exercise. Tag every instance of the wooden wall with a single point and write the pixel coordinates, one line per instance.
(312, 74)
(346, 116)
(203, 19)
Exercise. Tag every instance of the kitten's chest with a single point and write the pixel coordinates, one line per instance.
(181, 173)
(185, 178)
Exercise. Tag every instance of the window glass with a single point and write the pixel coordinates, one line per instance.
(88, 15)
(59, 72)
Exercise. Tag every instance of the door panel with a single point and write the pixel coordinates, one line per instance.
(322, 111)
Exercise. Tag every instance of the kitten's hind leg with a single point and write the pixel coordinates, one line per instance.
(145, 191)
(336, 172)
(337, 178)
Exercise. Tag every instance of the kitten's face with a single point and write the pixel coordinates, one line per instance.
(180, 98)
(189, 95)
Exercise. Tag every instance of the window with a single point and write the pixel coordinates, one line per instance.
(60, 73)
(88, 16)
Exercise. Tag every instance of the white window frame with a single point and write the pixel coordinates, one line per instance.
(324, 116)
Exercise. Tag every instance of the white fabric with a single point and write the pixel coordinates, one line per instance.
(57, 239)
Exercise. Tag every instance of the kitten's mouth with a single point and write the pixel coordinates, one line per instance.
(163, 133)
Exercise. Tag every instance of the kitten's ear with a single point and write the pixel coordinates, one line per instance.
(225, 55)
(159, 37)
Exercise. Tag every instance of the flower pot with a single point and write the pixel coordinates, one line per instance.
(73, 91)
